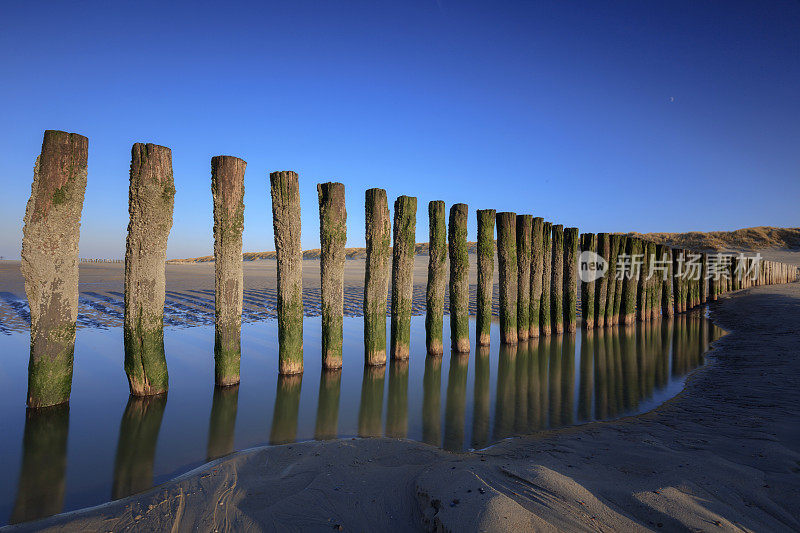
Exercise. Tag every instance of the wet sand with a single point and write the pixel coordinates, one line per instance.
(723, 455)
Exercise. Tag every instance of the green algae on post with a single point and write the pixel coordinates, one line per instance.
(507, 263)
(602, 284)
(459, 279)
(524, 229)
(537, 266)
(405, 224)
(285, 191)
(547, 268)
(483, 319)
(570, 279)
(588, 291)
(437, 275)
(151, 199)
(332, 239)
(50, 264)
(633, 248)
(557, 281)
(376, 275)
(227, 191)
(618, 280)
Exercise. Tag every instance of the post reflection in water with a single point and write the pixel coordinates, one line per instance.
(432, 401)
(287, 407)
(222, 422)
(547, 382)
(371, 407)
(330, 385)
(454, 411)
(397, 409)
(136, 448)
(41, 486)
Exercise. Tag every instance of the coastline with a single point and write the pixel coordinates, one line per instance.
(723, 454)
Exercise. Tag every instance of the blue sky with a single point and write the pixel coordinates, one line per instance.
(609, 116)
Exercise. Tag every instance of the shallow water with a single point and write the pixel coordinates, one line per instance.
(105, 446)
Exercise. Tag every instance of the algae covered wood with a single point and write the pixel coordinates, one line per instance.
(437, 277)
(405, 225)
(557, 281)
(571, 252)
(151, 199)
(285, 192)
(547, 274)
(588, 291)
(507, 274)
(524, 234)
(459, 279)
(483, 320)
(50, 264)
(602, 283)
(227, 192)
(378, 231)
(633, 249)
(332, 239)
(537, 266)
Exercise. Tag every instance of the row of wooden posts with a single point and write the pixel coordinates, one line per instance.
(537, 270)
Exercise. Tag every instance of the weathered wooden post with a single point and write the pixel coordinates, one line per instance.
(677, 268)
(641, 284)
(332, 239)
(611, 276)
(285, 190)
(537, 267)
(524, 229)
(571, 253)
(227, 191)
(557, 281)
(588, 244)
(619, 281)
(152, 194)
(653, 283)
(703, 280)
(459, 279)
(547, 275)
(603, 241)
(667, 305)
(50, 264)
(405, 224)
(507, 262)
(483, 320)
(376, 275)
(437, 265)
(628, 312)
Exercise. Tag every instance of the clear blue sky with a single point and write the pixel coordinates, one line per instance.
(609, 116)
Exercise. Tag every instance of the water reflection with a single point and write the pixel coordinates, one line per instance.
(456, 402)
(44, 463)
(222, 422)
(136, 447)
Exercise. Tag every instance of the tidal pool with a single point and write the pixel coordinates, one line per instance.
(105, 445)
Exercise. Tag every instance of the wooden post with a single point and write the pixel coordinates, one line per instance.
(666, 302)
(602, 284)
(332, 240)
(557, 281)
(376, 276)
(619, 282)
(537, 267)
(628, 312)
(547, 275)
(483, 320)
(152, 194)
(285, 190)
(524, 229)
(611, 276)
(507, 261)
(641, 284)
(571, 252)
(437, 275)
(405, 224)
(588, 291)
(227, 191)
(459, 279)
(50, 264)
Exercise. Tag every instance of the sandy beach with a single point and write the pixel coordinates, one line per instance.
(723, 455)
